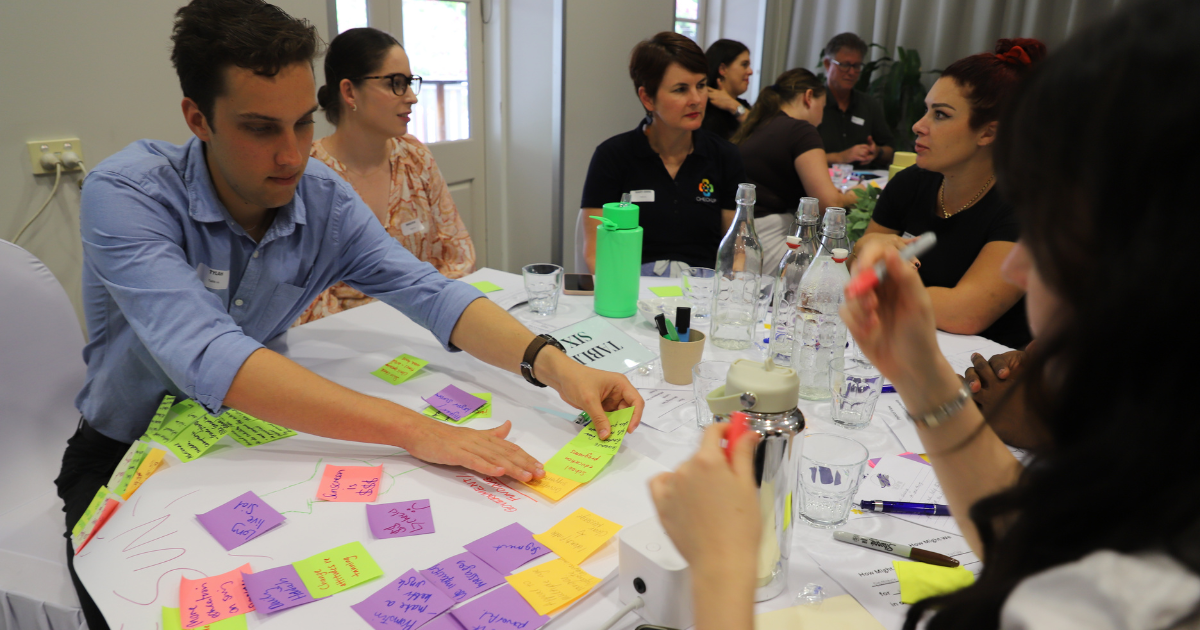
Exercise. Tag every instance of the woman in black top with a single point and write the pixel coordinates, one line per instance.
(784, 156)
(950, 192)
(729, 75)
(683, 179)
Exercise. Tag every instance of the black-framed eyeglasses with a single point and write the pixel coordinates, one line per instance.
(849, 67)
(400, 82)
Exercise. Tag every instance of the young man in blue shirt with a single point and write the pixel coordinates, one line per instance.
(195, 255)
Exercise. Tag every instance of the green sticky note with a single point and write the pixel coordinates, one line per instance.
(667, 291)
(483, 412)
(124, 472)
(156, 422)
(400, 369)
(586, 454)
(250, 431)
(336, 570)
(197, 438)
(919, 580)
(97, 502)
(172, 621)
(486, 287)
(178, 418)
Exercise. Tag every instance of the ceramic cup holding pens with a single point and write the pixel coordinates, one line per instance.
(679, 347)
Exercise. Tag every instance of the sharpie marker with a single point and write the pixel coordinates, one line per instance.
(868, 279)
(904, 551)
(582, 419)
(888, 389)
(660, 322)
(683, 321)
(901, 507)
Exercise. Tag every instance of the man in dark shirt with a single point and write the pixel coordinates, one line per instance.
(853, 129)
(729, 74)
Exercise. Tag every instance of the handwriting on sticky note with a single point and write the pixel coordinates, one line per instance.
(179, 417)
(400, 369)
(502, 609)
(667, 292)
(483, 412)
(577, 536)
(212, 599)
(454, 402)
(160, 414)
(408, 602)
(507, 548)
(198, 437)
(276, 589)
(250, 431)
(486, 287)
(463, 576)
(552, 486)
(586, 454)
(124, 471)
(350, 483)
(920, 581)
(93, 519)
(396, 520)
(552, 585)
(240, 520)
(151, 464)
(338, 569)
(170, 621)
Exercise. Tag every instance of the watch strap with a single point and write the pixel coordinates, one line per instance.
(531, 352)
(942, 413)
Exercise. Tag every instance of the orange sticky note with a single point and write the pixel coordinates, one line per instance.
(552, 486)
(552, 585)
(350, 483)
(212, 599)
(579, 535)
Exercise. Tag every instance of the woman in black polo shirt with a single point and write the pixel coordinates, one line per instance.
(682, 178)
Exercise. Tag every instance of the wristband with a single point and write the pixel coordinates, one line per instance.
(943, 412)
(531, 352)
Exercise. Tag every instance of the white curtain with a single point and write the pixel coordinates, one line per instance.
(942, 31)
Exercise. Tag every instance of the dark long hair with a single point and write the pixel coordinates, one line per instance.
(1120, 474)
(789, 86)
(355, 53)
(722, 53)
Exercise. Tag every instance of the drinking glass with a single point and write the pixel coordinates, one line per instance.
(841, 176)
(856, 385)
(830, 468)
(543, 285)
(707, 376)
(698, 283)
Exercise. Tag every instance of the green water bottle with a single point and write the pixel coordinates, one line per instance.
(618, 259)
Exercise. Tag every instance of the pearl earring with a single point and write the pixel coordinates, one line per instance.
(353, 107)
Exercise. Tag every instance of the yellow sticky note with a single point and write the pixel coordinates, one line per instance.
(919, 580)
(197, 438)
(576, 537)
(842, 612)
(400, 369)
(170, 621)
(337, 569)
(486, 287)
(124, 471)
(552, 486)
(483, 412)
(586, 454)
(249, 431)
(150, 465)
(667, 291)
(552, 585)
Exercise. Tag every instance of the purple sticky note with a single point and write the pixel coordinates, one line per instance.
(507, 548)
(502, 609)
(395, 520)
(455, 403)
(445, 622)
(463, 576)
(240, 521)
(409, 603)
(276, 589)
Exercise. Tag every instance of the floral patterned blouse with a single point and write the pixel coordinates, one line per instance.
(419, 192)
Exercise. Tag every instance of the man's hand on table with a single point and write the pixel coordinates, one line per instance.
(594, 391)
(485, 451)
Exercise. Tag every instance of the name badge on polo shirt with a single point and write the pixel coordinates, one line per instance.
(858, 121)
(215, 279)
(411, 227)
(641, 195)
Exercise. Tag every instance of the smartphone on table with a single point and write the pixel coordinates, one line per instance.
(579, 284)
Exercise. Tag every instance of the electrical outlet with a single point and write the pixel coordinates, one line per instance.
(38, 147)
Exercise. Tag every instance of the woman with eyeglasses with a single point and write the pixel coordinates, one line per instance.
(368, 95)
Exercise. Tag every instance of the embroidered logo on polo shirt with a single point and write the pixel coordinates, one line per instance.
(706, 187)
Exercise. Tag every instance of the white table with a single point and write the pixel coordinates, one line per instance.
(345, 347)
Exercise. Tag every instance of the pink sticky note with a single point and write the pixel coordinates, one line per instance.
(507, 548)
(409, 602)
(502, 609)
(455, 403)
(276, 589)
(212, 599)
(350, 483)
(241, 520)
(396, 520)
(463, 576)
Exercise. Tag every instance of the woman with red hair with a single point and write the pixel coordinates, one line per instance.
(951, 192)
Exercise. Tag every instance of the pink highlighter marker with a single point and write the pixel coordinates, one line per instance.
(869, 279)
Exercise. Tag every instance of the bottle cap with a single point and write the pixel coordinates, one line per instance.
(624, 216)
(793, 242)
(753, 387)
(840, 255)
(809, 211)
(745, 194)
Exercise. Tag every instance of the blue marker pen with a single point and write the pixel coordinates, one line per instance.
(901, 507)
(683, 322)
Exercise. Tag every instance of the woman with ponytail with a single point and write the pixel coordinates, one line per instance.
(951, 192)
(368, 95)
(1099, 531)
(784, 156)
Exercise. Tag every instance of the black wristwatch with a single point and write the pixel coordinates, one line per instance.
(535, 346)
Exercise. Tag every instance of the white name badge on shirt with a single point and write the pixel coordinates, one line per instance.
(641, 195)
(215, 279)
(411, 227)
(858, 121)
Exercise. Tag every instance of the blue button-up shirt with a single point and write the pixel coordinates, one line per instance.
(177, 295)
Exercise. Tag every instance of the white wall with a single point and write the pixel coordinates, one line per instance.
(97, 71)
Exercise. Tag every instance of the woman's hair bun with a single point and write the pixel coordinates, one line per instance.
(1034, 49)
(323, 96)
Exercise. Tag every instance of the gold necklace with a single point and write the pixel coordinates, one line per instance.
(942, 197)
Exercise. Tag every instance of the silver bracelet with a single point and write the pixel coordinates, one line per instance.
(943, 412)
